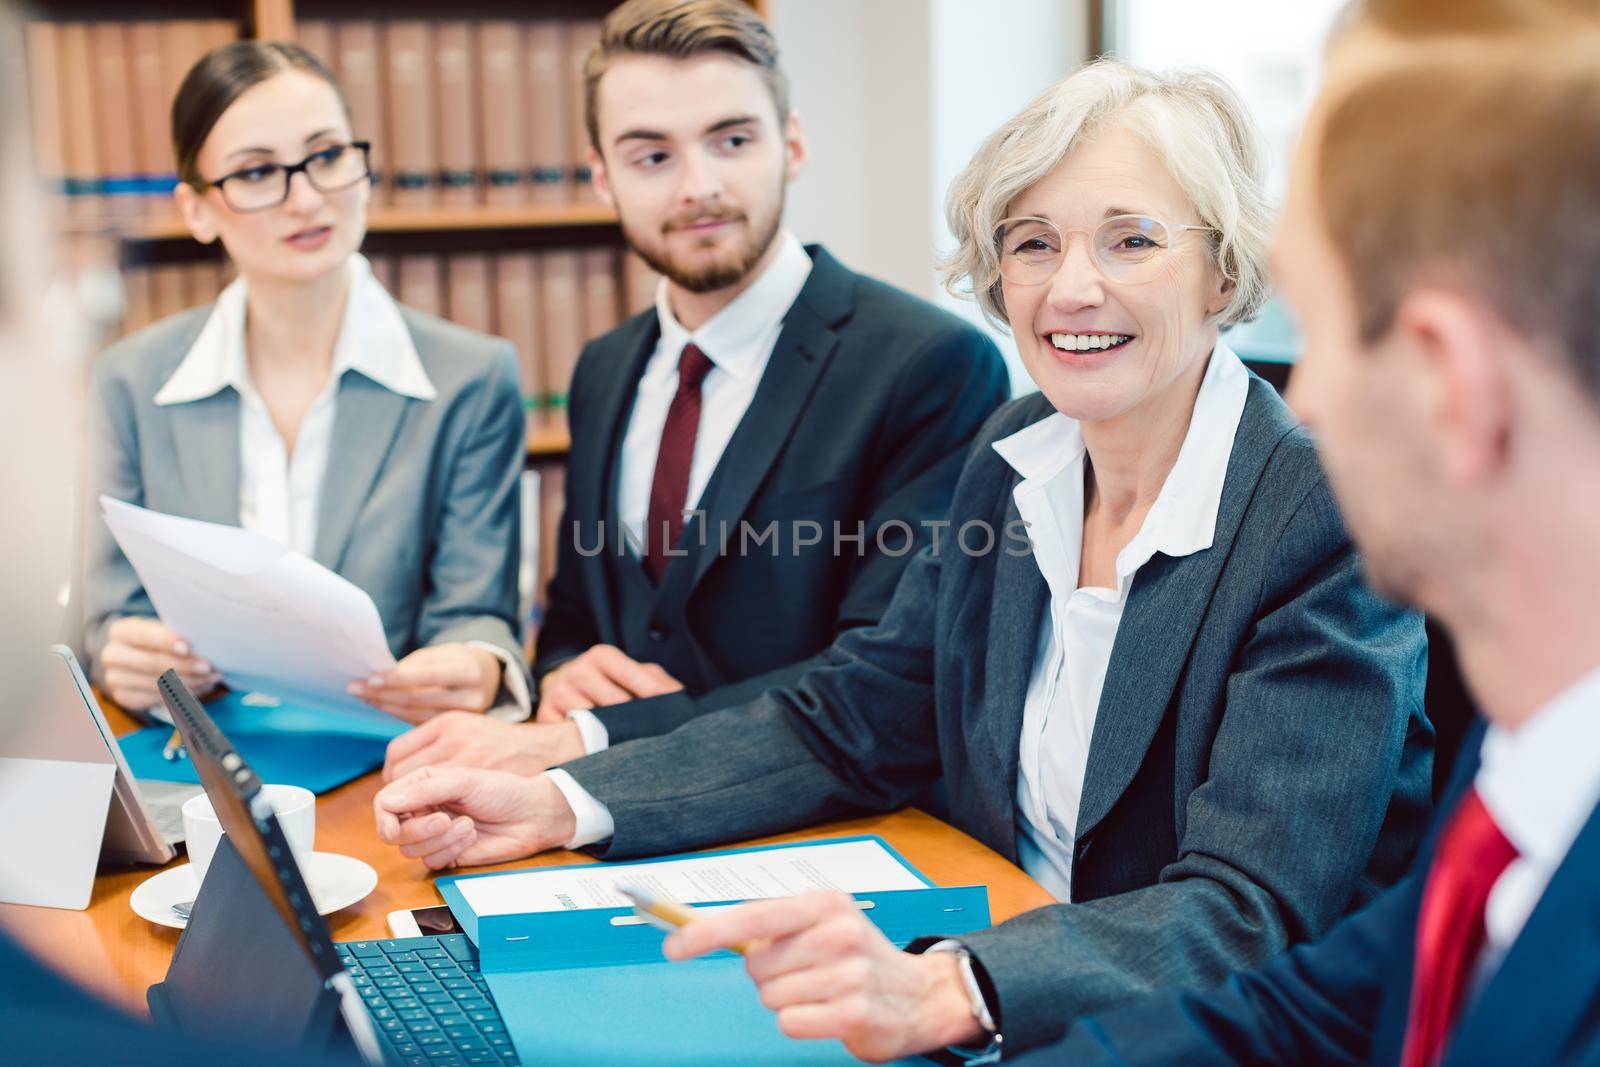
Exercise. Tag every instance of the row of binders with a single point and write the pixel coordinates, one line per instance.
(102, 100)
(466, 112)
(547, 303)
(459, 112)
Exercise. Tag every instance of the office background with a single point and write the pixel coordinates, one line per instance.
(896, 95)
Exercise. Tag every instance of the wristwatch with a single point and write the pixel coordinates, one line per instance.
(979, 1004)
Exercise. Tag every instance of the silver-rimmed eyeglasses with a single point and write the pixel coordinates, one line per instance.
(1127, 249)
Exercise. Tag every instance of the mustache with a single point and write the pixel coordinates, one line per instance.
(683, 222)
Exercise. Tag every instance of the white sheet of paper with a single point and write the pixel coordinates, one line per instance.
(267, 617)
(851, 866)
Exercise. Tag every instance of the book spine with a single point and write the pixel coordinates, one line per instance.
(80, 150)
(44, 88)
(502, 109)
(601, 296)
(152, 140)
(471, 295)
(639, 283)
(356, 47)
(581, 40)
(413, 121)
(455, 64)
(420, 283)
(562, 276)
(517, 309)
(548, 111)
(316, 37)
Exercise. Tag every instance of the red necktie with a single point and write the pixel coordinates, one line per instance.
(671, 487)
(1472, 855)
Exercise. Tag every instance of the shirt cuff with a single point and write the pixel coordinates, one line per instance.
(515, 681)
(593, 819)
(596, 738)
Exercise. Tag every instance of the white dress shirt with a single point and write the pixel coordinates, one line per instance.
(1080, 626)
(1064, 692)
(738, 340)
(1541, 783)
(279, 492)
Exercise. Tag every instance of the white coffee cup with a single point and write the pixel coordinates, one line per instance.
(295, 806)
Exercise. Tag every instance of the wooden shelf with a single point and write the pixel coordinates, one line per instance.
(548, 437)
(425, 220)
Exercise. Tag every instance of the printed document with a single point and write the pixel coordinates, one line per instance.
(860, 866)
(270, 619)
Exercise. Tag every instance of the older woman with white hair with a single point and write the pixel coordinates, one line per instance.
(1143, 660)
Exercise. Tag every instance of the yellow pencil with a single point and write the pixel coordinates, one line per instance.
(665, 913)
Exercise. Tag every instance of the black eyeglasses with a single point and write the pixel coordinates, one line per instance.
(262, 186)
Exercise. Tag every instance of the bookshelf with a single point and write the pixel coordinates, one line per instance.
(440, 239)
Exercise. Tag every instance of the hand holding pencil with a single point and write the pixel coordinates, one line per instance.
(828, 972)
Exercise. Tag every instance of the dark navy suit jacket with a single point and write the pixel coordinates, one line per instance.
(1344, 1000)
(859, 427)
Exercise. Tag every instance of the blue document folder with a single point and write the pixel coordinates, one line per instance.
(574, 986)
(285, 743)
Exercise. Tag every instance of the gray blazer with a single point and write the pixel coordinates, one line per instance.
(420, 504)
(1259, 764)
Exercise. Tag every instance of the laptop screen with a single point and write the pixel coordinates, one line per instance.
(249, 823)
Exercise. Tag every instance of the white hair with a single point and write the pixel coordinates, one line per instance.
(1193, 119)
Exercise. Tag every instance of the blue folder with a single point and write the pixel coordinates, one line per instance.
(285, 743)
(573, 987)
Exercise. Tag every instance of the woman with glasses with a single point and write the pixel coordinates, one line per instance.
(1142, 658)
(308, 406)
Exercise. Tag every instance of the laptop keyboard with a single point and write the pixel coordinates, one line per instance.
(429, 1000)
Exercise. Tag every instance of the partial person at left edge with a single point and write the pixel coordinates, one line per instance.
(306, 405)
(45, 1016)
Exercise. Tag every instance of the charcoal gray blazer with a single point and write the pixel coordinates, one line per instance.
(420, 504)
(1259, 765)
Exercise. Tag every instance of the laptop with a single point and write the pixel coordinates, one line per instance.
(145, 822)
(256, 961)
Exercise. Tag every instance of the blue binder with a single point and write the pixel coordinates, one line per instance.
(573, 986)
(285, 743)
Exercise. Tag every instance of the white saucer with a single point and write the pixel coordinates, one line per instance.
(335, 881)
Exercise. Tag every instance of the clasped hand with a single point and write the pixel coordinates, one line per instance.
(449, 816)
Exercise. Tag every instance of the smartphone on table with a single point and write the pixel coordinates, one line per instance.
(418, 922)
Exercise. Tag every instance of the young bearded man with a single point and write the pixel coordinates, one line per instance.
(755, 460)
(1442, 245)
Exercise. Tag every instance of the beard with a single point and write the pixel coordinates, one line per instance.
(758, 234)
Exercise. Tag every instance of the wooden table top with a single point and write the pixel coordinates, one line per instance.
(112, 950)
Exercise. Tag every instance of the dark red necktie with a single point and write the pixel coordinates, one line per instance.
(670, 490)
(1471, 857)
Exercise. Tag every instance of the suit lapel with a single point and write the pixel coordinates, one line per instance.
(1548, 986)
(802, 352)
(364, 429)
(595, 453)
(205, 439)
(1016, 612)
(1389, 1026)
(1165, 608)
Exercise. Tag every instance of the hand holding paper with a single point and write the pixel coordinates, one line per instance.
(433, 680)
(268, 618)
(138, 651)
